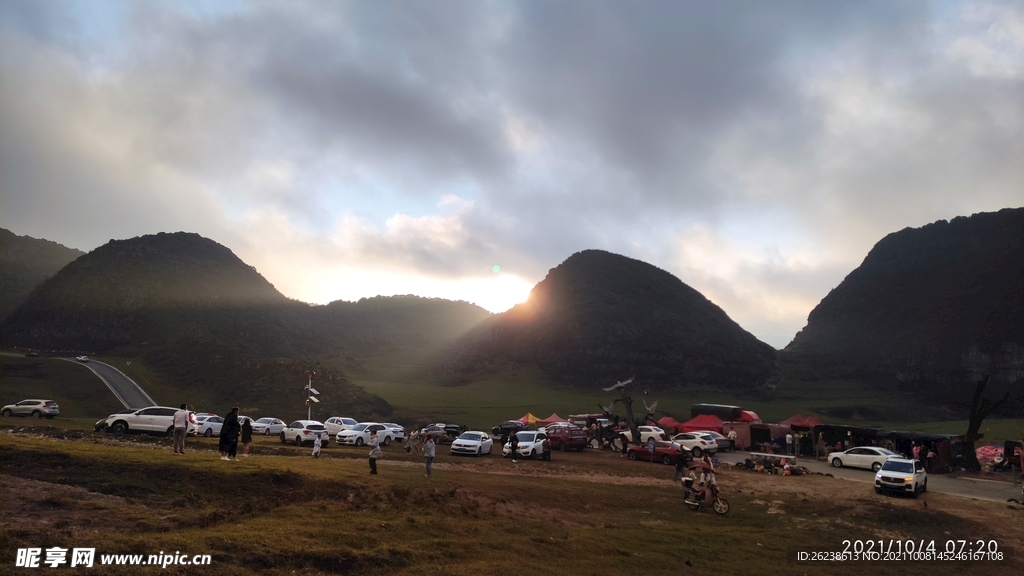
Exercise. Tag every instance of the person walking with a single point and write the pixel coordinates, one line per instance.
(374, 445)
(181, 423)
(428, 455)
(316, 446)
(514, 445)
(228, 445)
(246, 436)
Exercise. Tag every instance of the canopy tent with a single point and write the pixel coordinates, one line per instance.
(812, 421)
(702, 422)
(794, 420)
(529, 419)
(749, 416)
(669, 424)
(550, 419)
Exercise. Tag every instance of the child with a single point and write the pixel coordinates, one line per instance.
(316, 447)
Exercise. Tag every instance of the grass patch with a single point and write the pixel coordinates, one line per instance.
(75, 389)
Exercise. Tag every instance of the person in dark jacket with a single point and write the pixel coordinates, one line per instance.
(229, 436)
(246, 436)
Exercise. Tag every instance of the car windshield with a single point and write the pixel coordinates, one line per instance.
(469, 436)
(359, 427)
(264, 420)
(525, 436)
(897, 466)
(886, 452)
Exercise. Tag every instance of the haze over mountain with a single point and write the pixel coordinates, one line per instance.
(24, 263)
(929, 310)
(600, 317)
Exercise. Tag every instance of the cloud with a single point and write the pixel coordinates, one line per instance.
(758, 153)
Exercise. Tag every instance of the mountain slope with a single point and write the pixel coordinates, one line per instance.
(600, 317)
(930, 309)
(25, 263)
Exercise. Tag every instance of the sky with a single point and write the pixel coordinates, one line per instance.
(461, 149)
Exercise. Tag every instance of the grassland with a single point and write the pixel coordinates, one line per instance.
(281, 512)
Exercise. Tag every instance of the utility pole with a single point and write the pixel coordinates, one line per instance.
(310, 391)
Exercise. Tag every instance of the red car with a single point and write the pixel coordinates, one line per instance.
(565, 436)
(664, 452)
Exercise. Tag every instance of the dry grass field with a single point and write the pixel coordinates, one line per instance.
(282, 512)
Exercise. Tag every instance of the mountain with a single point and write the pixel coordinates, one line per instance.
(928, 311)
(600, 317)
(24, 263)
(402, 320)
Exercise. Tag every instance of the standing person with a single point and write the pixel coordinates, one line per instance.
(316, 446)
(916, 451)
(514, 447)
(229, 436)
(546, 450)
(732, 439)
(682, 463)
(247, 436)
(625, 443)
(428, 455)
(181, 423)
(789, 443)
(374, 445)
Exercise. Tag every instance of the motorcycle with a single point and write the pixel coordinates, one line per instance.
(694, 499)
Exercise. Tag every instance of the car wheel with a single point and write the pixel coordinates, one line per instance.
(266, 432)
(561, 446)
(37, 414)
(837, 463)
(697, 452)
(208, 433)
(666, 460)
(170, 431)
(924, 487)
(533, 454)
(878, 490)
(632, 455)
(915, 492)
(298, 440)
(7, 413)
(119, 427)
(876, 466)
(359, 442)
(283, 441)
(387, 440)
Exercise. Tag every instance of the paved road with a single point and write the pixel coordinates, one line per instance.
(967, 487)
(124, 388)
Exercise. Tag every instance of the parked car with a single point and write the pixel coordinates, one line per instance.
(302, 431)
(212, 425)
(646, 433)
(359, 434)
(397, 431)
(695, 443)
(901, 475)
(509, 427)
(154, 419)
(565, 436)
(871, 457)
(472, 442)
(531, 444)
(721, 442)
(336, 424)
(101, 425)
(664, 452)
(441, 433)
(268, 426)
(33, 408)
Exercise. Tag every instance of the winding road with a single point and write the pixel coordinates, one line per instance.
(124, 388)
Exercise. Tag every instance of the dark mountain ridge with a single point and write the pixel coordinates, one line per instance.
(929, 310)
(25, 263)
(600, 317)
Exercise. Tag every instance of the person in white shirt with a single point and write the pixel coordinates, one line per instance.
(428, 454)
(182, 419)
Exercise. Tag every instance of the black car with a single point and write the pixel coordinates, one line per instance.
(509, 427)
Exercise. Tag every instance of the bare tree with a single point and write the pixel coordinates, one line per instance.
(980, 409)
(627, 402)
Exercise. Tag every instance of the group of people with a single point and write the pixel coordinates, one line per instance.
(184, 419)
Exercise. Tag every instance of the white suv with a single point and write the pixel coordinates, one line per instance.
(531, 444)
(696, 443)
(902, 475)
(646, 433)
(155, 419)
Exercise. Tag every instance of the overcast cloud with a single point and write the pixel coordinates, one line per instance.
(347, 149)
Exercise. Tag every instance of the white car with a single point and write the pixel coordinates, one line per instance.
(359, 434)
(82, 358)
(302, 431)
(901, 475)
(871, 457)
(33, 408)
(531, 444)
(336, 424)
(397, 430)
(721, 441)
(211, 425)
(646, 433)
(695, 443)
(472, 442)
(267, 426)
(155, 419)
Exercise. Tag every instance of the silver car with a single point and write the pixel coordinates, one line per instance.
(267, 426)
(33, 408)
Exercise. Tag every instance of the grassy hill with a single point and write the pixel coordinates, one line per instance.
(25, 263)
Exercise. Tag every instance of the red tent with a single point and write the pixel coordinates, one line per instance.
(669, 424)
(795, 420)
(702, 422)
(748, 416)
(552, 419)
(529, 419)
(812, 421)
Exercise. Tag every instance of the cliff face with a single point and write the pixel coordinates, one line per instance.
(600, 317)
(931, 309)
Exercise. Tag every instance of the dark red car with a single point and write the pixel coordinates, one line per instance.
(664, 452)
(566, 436)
